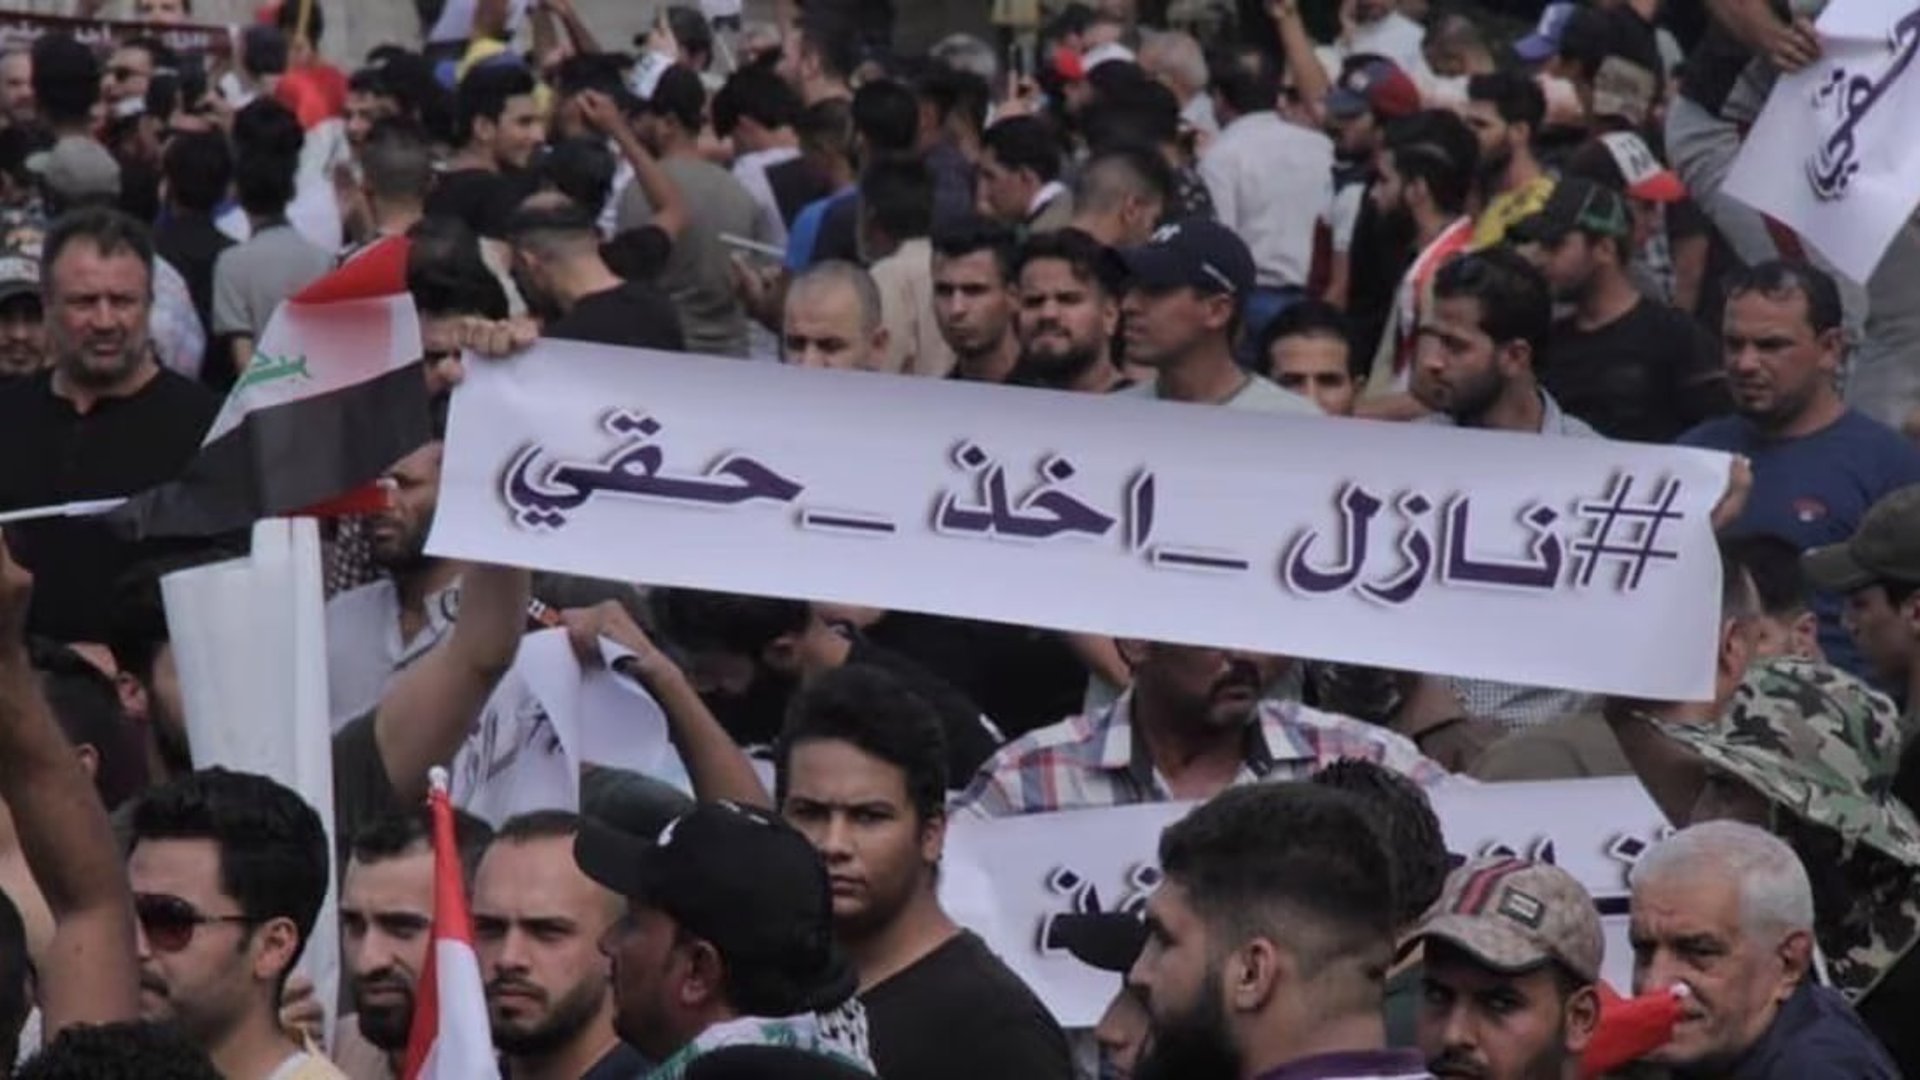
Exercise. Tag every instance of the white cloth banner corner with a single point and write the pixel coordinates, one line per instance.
(1832, 154)
(1406, 546)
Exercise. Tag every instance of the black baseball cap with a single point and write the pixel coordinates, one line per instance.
(1196, 253)
(744, 881)
(1108, 940)
(1576, 203)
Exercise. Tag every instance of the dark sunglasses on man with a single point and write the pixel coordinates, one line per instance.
(170, 922)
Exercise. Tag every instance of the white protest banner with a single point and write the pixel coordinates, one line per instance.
(1006, 878)
(1575, 563)
(250, 644)
(1832, 153)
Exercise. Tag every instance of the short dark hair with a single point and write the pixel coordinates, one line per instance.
(273, 849)
(1247, 79)
(953, 92)
(1287, 860)
(1139, 167)
(198, 167)
(826, 127)
(144, 1048)
(897, 195)
(1437, 148)
(109, 231)
(727, 622)
(755, 94)
(1085, 256)
(582, 169)
(393, 835)
(397, 160)
(972, 234)
(263, 50)
(66, 78)
(1515, 302)
(538, 825)
(87, 706)
(588, 71)
(157, 51)
(832, 37)
(287, 18)
(1773, 562)
(1514, 95)
(1408, 828)
(19, 142)
(456, 286)
(887, 116)
(372, 81)
(679, 96)
(1136, 113)
(1312, 318)
(266, 141)
(1025, 142)
(691, 30)
(870, 709)
(1776, 279)
(483, 94)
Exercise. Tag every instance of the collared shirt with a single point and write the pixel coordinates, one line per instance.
(1043, 198)
(1815, 1034)
(364, 648)
(1271, 182)
(1411, 302)
(1100, 760)
(1354, 1065)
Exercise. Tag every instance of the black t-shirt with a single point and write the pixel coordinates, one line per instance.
(635, 315)
(190, 243)
(481, 198)
(1714, 66)
(1023, 677)
(54, 454)
(958, 1013)
(1648, 376)
(638, 254)
(969, 742)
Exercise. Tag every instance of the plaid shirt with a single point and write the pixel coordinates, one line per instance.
(1098, 760)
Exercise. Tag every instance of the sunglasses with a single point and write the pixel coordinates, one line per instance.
(169, 922)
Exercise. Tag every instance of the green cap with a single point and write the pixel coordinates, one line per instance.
(1885, 547)
(1577, 203)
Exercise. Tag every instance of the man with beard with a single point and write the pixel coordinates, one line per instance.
(1512, 958)
(1818, 465)
(104, 420)
(1268, 939)
(537, 926)
(1068, 315)
(557, 264)
(386, 932)
(1633, 367)
(498, 127)
(974, 299)
(1192, 723)
(748, 655)
(1505, 110)
(1423, 190)
(860, 770)
(23, 335)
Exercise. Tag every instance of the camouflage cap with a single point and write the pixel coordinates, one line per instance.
(1820, 743)
(1515, 916)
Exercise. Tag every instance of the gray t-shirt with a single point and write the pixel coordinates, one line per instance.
(698, 276)
(1259, 394)
(251, 279)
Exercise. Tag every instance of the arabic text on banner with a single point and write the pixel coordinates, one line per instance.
(1575, 563)
(1832, 153)
(1043, 865)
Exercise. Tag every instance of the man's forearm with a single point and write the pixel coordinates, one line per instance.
(716, 765)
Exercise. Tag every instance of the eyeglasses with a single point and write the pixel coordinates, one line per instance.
(169, 922)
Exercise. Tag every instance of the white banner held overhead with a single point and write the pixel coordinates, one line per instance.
(1006, 878)
(1574, 563)
(1833, 154)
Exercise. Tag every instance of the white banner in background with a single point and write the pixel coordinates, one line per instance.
(1006, 878)
(1832, 153)
(1575, 563)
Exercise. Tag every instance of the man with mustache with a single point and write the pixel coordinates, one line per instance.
(1192, 723)
(1512, 958)
(386, 931)
(537, 923)
(1818, 465)
(1068, 312)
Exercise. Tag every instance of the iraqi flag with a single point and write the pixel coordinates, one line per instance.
(450, 1038)
(334, 396)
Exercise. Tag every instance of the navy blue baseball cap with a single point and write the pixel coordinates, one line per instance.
(1198, 254)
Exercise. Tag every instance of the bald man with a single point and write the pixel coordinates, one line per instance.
(832, 320)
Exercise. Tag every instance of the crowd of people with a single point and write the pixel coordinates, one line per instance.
(1493, 215)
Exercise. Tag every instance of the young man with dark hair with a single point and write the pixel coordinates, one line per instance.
(975, 298)
(1122, 194)
(1489, 325)
(198, 168)
(1267, 939)
(1424, 189)
(559, 268)
(819, 54)
(756, 109)
(1505, 110)
(1632, 367)
(371, 98)
(1818, 465)
(860, 769)
(1512, 971)
(1877, 570)
(498, 128)
(537, 926)
(896, 215)
(252, 279)
(1069, 312)
(77, 170)
(1308, 349)
(1019, 182)
(228, 872)
(1786, 625)
(386, 933)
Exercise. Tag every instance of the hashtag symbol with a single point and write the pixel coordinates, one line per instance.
(1623, 533)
